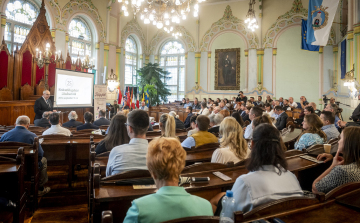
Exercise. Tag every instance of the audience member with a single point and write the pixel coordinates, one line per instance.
(328, 120)
(215, 121)
(193, 126)
(227, 103)
(143, 106)
(116, 135)
(72, 120)
(88, 117)
(56, 128)
(312, 133)
(222, 106)
(204, 110)
(196, 104)
(238, 118)
(44, 121)
(303, 102)
(334, 109)
(268, 178)
(292, 103)
(21, 134)
(183, 102)
(178, 123)
(252, 101)
(241, 97)
(282, 117)
(188, 103)
(102, 120)
(224, 113)
(260, 120)
(259, 102)
(286, 105)
(332, 100)
(165, 160)
(254, 112)
(281, 101)
(187, 120)
(268, 100)
(246, 115)
(217, 109)
(233, 146)
(202, 136)
(344, 169)
(306, 111)
(269, 111)
(313, 105)
(131, 156)
(167, 125)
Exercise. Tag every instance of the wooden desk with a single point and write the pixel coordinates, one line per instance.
(118, 198)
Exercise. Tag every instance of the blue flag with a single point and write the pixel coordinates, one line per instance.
(343, 59)
(304, 44)
(147, 98)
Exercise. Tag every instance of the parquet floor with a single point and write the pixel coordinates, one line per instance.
(62, 204)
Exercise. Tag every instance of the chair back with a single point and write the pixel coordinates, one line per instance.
(86, 130)
(205, 147)
(315, 149)
(342, 190)
(54, 136)
(196, 219)
(131, 174)
(201, 167)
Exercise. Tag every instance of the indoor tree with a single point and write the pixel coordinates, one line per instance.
(152, 78)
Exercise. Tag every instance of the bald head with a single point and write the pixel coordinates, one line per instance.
(23, 121)
(46, 94)
(72, 115)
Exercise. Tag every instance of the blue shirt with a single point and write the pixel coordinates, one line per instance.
(188, 142)
(330, 131)
(126, 157)
(307, 140)
(187, 105)
(336, 121)
(21, 134)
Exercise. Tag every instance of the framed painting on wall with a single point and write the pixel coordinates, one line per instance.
(227, 69)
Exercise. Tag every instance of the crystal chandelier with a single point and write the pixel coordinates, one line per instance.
(251, 18)
(163, 14)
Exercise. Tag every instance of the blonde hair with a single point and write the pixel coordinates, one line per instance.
(168, 123)
(173, 114)
(125, 112)
(165, 158)
(232, 137)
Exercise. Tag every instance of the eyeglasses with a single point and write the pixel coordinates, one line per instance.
(127, 124)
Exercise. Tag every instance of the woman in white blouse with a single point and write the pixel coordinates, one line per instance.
(268, 178)
(233, 146)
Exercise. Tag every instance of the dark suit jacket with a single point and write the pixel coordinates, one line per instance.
(72, 123)
(86, 126)
(102, 121)
(40, 107)
(214, 129)
(179, 124)
(187, 120)
(244, 116)
(281, 121)
(43, 122)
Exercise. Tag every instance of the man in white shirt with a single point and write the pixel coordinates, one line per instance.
(223, 106)
(292, 103)
(143, 106)
(204, 110)
(254, 113)
(56, 128)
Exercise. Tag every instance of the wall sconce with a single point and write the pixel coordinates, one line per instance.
(112, 81)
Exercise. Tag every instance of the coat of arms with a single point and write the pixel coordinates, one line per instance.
(319, 17)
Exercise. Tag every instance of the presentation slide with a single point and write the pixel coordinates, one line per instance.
(73, 89)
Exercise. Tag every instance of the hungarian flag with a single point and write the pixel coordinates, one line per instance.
(137, 101)
(128, 98)
(119, 96)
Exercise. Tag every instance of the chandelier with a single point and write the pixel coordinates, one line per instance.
(163, 14)
(251, 18)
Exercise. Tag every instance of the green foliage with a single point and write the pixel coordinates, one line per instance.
(151, 77)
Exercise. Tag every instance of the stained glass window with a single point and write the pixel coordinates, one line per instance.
(172, 59)
(131, 61)
(20, 14)
(80, 43)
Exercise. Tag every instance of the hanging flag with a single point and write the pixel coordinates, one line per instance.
(304, 45)
(131, 98)
(137, 101)
(147, 97)
(321, 15)
(128, 98)
(143, 98)
(119, 96)
(343, 59)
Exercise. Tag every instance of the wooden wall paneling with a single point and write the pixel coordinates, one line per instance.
(26, 91)
(29, 111)
(10, 110)
(6, 94)
(40, 87)
(5, 114)
(10, 66)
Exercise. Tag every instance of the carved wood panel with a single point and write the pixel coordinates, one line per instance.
(26, 91)
(6, 94)
(10, 65)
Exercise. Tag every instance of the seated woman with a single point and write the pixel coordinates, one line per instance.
(238, 118)
(268, 110)
(165, 160)
(312, 133)
(233, 146)
(116, 135)
(167, 126)
(179, 123)
(183, 101)
(262, 119)
(225, 113)
(193, 126)
(344, 169)
(268, 178)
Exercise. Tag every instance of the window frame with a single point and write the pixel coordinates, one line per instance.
(74, 56)
(134, 66)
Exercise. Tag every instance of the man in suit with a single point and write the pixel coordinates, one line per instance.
(187, 120)
(282, 118)
(43, 104)
(143, 106)
(215, 121)
(21, 134)
(102, 120)
(72, 120)
(88, 117)
(44, 121)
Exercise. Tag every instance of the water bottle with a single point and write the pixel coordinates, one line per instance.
(228, 208)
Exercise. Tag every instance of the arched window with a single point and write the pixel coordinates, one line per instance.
(131, 61)
(80, 42)
(172, 59)
(21, 14)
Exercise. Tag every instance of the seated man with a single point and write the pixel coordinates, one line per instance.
(328, 120)
(187, 120)
(334, 109)
(88, 117)
(44, 121)
(292, 103)
(215, 121)
(303, 102)
(317, 111)
(21, 134)
(166, 160)
(56, 127)
(259, 102)
(202, 136)
(223, 106)
(196, 104)
(254, 113)
(188, 103)
(143, 106)
(131, 156)
(281, 118)
(281, 101)
(72, 120)
(102, 120)
(286, 105)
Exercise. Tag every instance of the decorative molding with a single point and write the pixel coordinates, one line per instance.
(133, 27)
(228, 22)
(73, 7)
(161, 35)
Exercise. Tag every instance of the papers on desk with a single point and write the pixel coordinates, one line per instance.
(144, 187)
